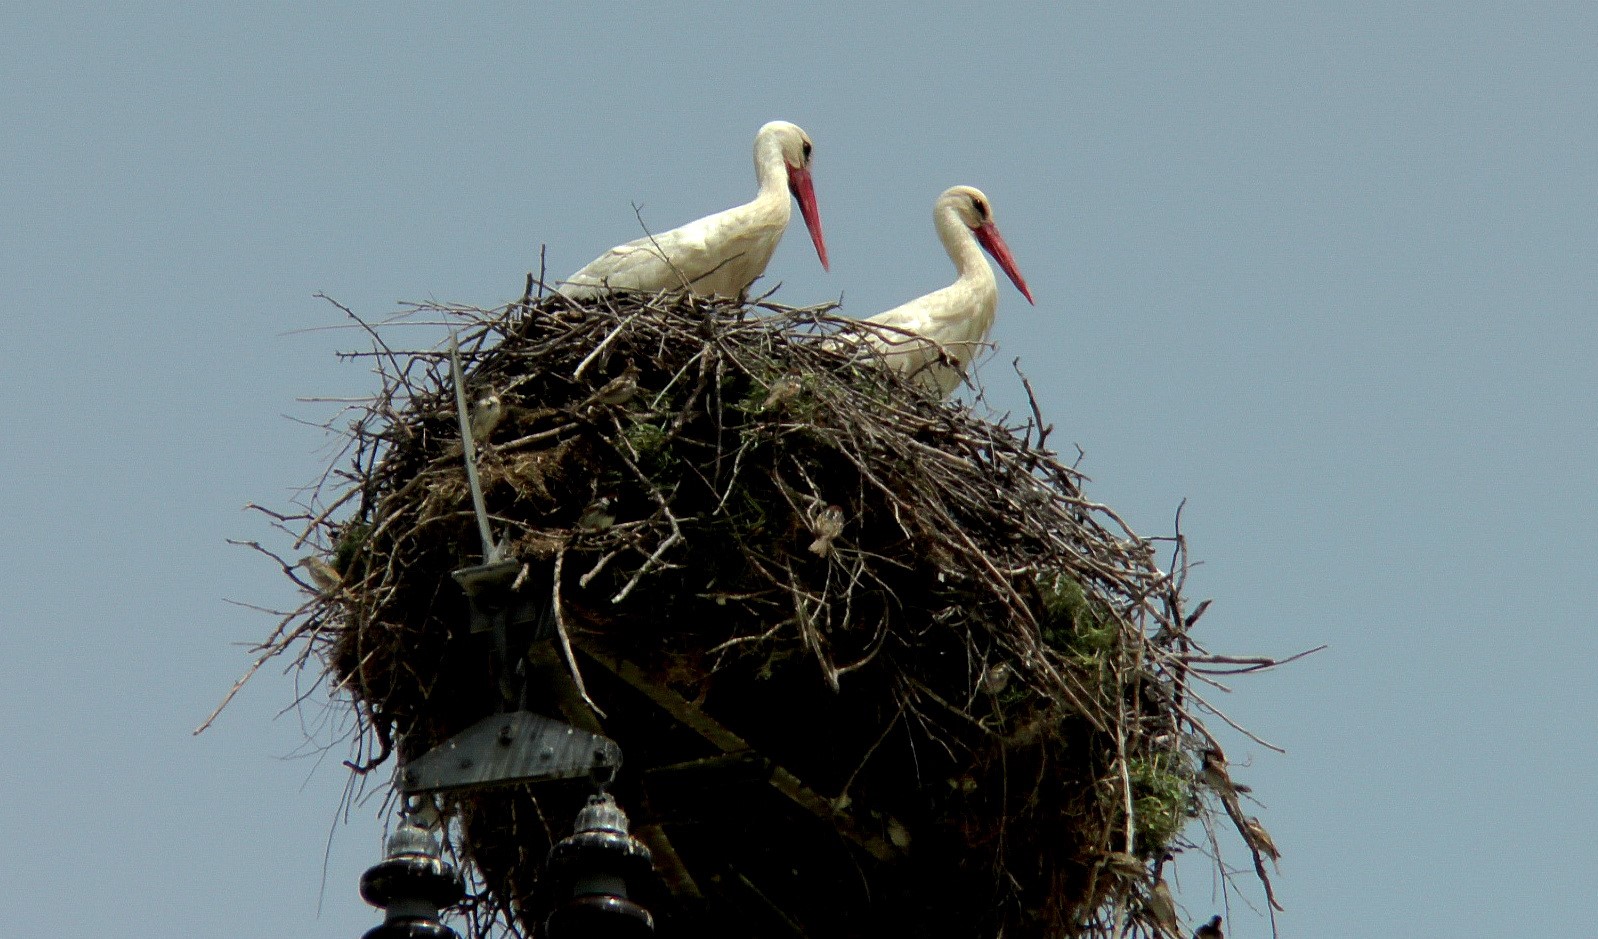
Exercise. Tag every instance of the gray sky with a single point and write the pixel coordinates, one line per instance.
(1331, 277)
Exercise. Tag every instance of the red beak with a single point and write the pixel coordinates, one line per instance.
(803, 190)
(989, 236)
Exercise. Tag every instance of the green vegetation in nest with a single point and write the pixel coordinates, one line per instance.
(876, 663)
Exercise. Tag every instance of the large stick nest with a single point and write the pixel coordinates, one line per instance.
(876, 664)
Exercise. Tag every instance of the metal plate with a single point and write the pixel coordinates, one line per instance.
(514, 747)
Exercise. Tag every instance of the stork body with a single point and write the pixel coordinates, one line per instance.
(721, 254)
(935, 337)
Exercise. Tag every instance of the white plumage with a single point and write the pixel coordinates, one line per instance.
(935, 337)
(721, 254)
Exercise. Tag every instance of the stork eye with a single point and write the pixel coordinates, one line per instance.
(807, 149)
(982, 209)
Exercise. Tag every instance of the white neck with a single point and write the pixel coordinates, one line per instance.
(771, 170)
(962, 245)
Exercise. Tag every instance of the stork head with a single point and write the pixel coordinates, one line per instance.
(973, 208)
(795, 147)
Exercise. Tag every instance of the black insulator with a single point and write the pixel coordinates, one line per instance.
(411, 885)
(599, 917)
(593, 876)
(411, 929)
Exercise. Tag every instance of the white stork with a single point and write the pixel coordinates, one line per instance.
(721, 254)
(935, 337)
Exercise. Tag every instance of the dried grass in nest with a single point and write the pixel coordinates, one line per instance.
(977, 692)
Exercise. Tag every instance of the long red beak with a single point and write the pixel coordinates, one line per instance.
(803, 190)
(993, 242)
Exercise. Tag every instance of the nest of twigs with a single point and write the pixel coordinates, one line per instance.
(876, 664)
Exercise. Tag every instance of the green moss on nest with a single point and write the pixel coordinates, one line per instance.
(1163, 801)
(647, 443)
(1075, 623)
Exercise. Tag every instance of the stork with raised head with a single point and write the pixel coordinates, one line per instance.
(935, 337)
(722, 254)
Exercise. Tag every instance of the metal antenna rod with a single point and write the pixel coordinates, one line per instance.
(469, 451)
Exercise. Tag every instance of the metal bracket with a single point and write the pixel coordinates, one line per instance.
(494, 607)
(514, 747)
(517, 745)
(497, 610)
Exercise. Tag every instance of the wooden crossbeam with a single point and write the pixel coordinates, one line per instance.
(719, 736)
